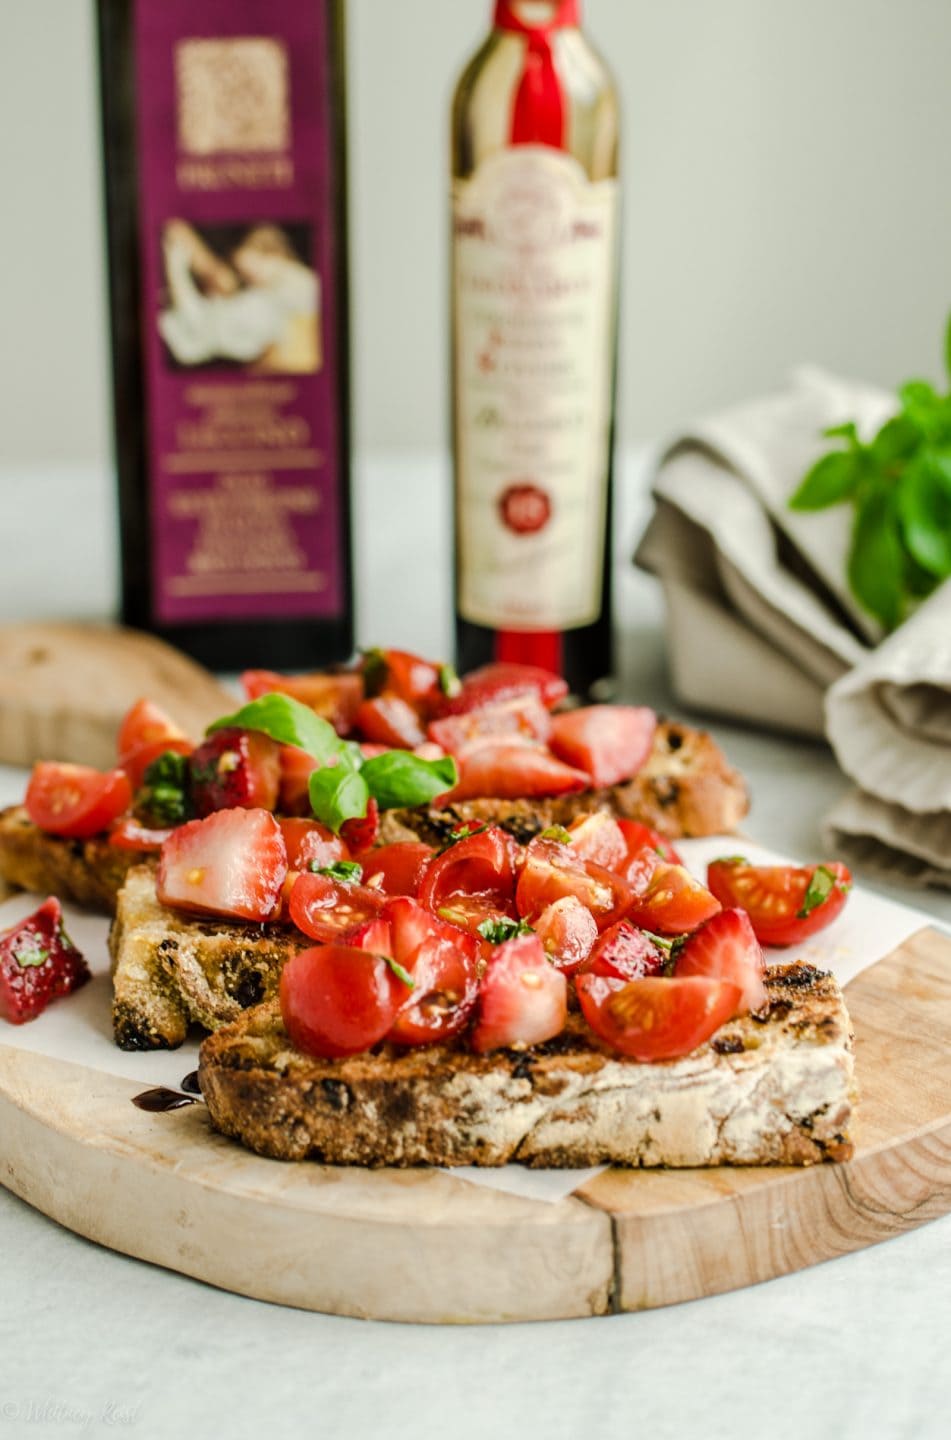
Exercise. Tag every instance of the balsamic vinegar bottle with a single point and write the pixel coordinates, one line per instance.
(534, 276)
(223, 136)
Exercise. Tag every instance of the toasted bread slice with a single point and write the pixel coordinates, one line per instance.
(685, 788)
(169, 970)
(772, 1089)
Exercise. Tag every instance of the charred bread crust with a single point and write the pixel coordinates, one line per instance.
(771, 1089)
(87, 872)
(685, 788)
(170, 971)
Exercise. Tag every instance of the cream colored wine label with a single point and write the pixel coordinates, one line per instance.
(534, 295)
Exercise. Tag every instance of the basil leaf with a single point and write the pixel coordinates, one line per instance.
(163, 799)
(818, 891)
(401, 779)
(347, 871)
(500, 928)
(924, 503)
(338, 794)
(730, 860)
(833, 478)
(848, 431)
(289, 722)
(896, 440)
(399, 971)
(556, 832)
(876, 557)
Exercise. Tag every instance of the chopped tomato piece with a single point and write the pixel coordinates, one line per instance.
(326, 909)
(146, 724)
(638, 837)
(337, 1000)
(567, 931)
(391, 721)
(509, 770)
(523, 999)
(672, 902)
(310, 845)
(412, 679)
(75, 800)
(233, 862)
(474, 877)
(361, 832)
(235, 768)
(396, 869)
(725, 948)
(504, 681)
(335, 697)
(786, 903)
(550, 871)
(598, 837)
(128, 834)
(524, 716)
(624, 953)
(610, 742)
(656, 1019)
(297, 766)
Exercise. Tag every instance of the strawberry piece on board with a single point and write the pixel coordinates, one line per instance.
(38, 963)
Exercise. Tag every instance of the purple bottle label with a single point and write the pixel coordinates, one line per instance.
(239, 305)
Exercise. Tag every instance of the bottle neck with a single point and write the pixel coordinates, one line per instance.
(520, 16)
(538, 110)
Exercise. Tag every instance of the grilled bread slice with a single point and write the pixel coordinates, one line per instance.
(770, 1089)
(685, 788)
(171, 970)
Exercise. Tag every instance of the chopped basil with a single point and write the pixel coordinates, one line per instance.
(727, 860)
(499, 929)
(556, 832)
(449, 682)
(462, 832)
(401, 779)
(375, 671)
(33, 956)
(163, 799)
(347, 871)
(399, 972)
(289, 722)
(820, 887)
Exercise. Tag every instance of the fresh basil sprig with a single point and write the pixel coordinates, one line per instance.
(899, 485)
(399, 779)
(290, 723)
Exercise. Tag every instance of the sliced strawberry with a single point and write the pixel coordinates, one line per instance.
(523, 999)
(38, 963)
(598, 837)
(511, 771)
(725, 948)
(624, 953)
(233, 862)
(335, 697)
(610, 742)
(234, 768)
(310, 845)
(567, 930)
(523, 716)
(503, 680)
(389, 720)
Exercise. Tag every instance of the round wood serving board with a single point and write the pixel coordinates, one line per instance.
(425, 1246)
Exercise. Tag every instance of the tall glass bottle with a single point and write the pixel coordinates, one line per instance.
(224, 148)
(534, 299)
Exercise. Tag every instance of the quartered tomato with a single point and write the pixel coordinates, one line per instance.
(503, 681)
(599, 837)
(725, 948)
(656, 1019)
(310, 845)
(337, 1000)
(550, 871)
(510, 769)
(567, 931)
(128, 834)
(624, 953)
(472, 880)
(328, 909)
(786, 903)
(391, 721)
(335, 697)
(75, 800)
(638, 837)
(523, 999)
(610, 742)
(146, 724)
(672, 902)
(396, 869)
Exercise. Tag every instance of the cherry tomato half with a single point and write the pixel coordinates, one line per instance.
(326, 909)
(656, 1019)
(786, 903)
(672, 902)
(550, 871)
(75, 800)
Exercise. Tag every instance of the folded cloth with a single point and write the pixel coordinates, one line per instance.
(763, 627)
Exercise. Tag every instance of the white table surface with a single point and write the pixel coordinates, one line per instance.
(92, 1342)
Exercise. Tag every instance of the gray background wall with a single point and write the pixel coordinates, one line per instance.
(788, 197)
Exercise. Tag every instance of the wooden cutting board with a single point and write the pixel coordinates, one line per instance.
(425, 1246)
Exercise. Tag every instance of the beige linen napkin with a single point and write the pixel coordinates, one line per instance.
(762, 625)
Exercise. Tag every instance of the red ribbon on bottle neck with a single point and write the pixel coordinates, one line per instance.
(538, 115)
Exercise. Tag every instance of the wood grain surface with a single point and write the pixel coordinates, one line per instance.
(65, 688)
(426, 1246)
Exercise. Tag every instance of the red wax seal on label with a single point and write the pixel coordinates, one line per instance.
(525, 509)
